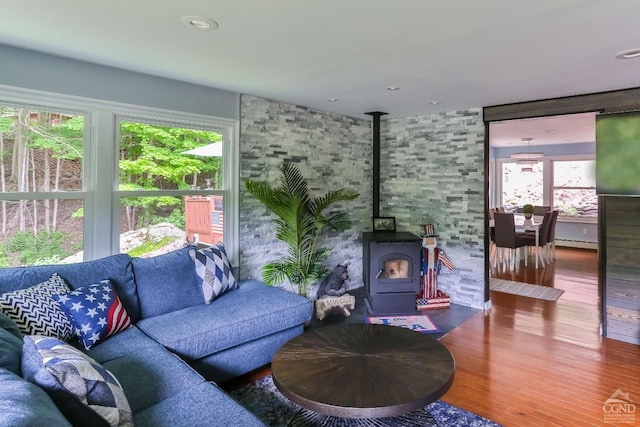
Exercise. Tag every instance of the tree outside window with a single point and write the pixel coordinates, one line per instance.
(520, 187)
(41, 185)
(574, 187)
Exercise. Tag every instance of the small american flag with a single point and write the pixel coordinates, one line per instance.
(443, 258)
(96, 312)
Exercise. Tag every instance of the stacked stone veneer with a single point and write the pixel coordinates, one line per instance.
(332, 151)
(431, 172)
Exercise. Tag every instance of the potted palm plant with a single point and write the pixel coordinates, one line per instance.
(300, 220)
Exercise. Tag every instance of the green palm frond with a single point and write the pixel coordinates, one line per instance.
(299, 222)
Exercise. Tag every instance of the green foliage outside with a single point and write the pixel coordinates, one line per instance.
(34, 249)
(150, 159)
(149, 246)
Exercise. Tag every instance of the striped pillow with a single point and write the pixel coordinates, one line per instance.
(36, 312)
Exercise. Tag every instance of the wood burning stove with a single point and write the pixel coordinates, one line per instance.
(391, 271)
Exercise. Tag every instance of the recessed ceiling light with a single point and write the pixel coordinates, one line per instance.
(200, 22)
(628, 54)
(333, 99)
(393, 88)
(435, 102)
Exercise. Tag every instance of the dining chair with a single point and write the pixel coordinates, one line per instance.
(541, 210)
(507, 241)
(551, 241)
(543, 237)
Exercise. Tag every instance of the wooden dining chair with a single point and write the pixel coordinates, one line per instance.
(507, 241)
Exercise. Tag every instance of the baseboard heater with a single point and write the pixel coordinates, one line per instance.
(576, 244)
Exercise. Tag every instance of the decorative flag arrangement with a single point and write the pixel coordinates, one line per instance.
(431, 260)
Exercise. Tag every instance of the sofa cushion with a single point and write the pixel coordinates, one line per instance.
(85, 392)
(166, 282)
(10, 352)
(35, 311)
(8, 324)
(151, 375)
(123, 343)
(252, 311)
(116, 268)
(23, 404)
(201, 405)
(95, 311)
(214, 271)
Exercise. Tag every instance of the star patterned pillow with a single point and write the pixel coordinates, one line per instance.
(95, 311)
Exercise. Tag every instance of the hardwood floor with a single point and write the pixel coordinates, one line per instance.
(528, 362)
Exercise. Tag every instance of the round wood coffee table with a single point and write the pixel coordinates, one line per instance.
(363, 370)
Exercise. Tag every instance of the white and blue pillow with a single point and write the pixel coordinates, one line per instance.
(85, 392)
(214, 271)
(95, 311)
(35, 311)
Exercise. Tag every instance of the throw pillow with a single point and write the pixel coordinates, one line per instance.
(85, 392)
(95, 311)
(214, 271)
(35, 311)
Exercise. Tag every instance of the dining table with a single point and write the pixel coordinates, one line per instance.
(522, 224)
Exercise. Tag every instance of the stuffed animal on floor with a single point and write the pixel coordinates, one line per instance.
(334, 284)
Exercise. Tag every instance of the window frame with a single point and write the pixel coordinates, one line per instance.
(548, 182)
(559, 159)
(100, 194)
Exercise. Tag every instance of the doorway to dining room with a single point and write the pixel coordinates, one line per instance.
(550, 161)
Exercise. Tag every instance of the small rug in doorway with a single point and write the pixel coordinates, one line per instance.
(263, 399)
(420, 323)
(525, 289)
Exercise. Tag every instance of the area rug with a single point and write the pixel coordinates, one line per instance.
(420, 323)
(263, 399)
(525, 289)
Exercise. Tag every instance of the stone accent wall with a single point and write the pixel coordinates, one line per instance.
(331, 150)
(432, 172)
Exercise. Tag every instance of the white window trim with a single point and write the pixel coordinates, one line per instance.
(547, 190)
(100, 193)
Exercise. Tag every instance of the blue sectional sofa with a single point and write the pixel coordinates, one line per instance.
(176, 351)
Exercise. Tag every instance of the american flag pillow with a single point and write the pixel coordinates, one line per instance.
(95, 311)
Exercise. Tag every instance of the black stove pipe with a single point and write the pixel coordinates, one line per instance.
(376, 161)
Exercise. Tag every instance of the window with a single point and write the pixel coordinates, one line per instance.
(574, 187)
(41, 184)
(82, 179)
(154, 157)
(521, 185)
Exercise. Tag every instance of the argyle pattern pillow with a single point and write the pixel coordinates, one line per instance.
(214, 271)
(35, 311)
(95, 311)
(85, 392)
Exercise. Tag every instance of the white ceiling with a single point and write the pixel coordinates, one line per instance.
(443, 56)
(568, 129)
